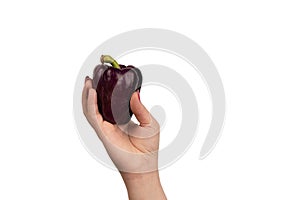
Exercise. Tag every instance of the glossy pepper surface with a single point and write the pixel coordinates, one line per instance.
(115, 85)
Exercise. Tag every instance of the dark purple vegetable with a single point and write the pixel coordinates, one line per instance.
(115, 85)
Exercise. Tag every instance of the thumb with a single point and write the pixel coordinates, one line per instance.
(139, 110)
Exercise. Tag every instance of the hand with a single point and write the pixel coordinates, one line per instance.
(133, 148)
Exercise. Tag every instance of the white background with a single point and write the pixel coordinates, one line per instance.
(254, 44)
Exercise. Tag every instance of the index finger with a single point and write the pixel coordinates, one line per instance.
(85, 91)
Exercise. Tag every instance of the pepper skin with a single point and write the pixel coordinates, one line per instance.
(115, 85)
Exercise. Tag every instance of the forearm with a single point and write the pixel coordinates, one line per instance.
(143, 186)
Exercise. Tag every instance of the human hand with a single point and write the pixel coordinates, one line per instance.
(133, 148)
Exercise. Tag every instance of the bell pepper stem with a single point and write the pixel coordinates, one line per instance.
(110, 60)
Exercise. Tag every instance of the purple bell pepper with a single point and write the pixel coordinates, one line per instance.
(115, 85)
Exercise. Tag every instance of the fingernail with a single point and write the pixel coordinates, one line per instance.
(86, 78)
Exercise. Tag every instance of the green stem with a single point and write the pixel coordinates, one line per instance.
(109, 59)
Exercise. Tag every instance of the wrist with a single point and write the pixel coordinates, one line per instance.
(143, 185)
(139, 177)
